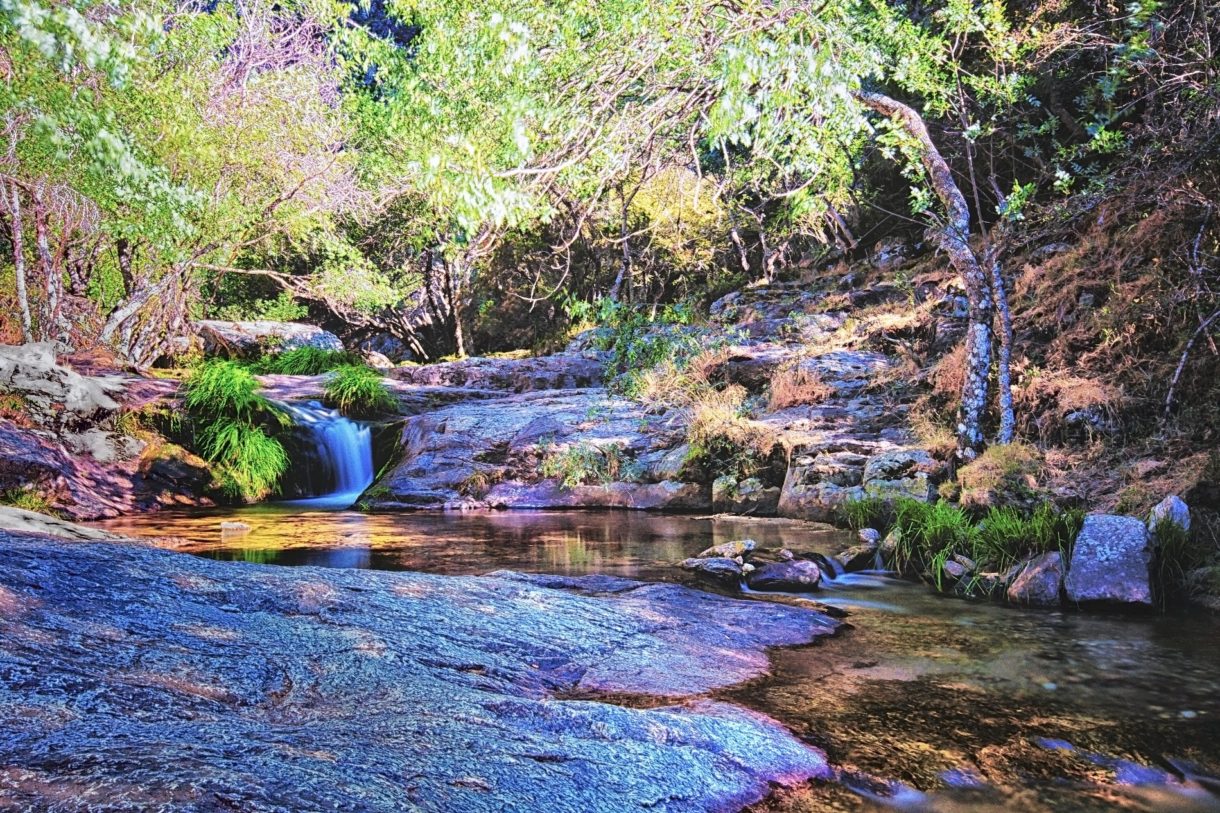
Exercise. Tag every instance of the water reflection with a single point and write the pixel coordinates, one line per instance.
(921, 695)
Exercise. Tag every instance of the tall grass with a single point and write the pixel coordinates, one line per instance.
(930, 535)
(231, 418)
(358, 391)
(305, 361)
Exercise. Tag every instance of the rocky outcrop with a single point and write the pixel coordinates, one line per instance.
(52, 395)
(491, 453)
(1038, 581)
(65, 446)
(562, 371)
(1110, 561)
(207, 685)
(823, 477)
(241, 339)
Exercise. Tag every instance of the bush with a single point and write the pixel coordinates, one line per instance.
(306, 361)
(358, 391)
(230, 417)
(588, 462)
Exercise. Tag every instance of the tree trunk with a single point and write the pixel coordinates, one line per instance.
(1008, 420)
(954, 238)
(49, 268)
(16, 230)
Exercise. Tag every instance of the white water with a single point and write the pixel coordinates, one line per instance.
(343, 447)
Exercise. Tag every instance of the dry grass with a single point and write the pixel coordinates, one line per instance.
(671, 385)
(1002, 476)
(794, 385)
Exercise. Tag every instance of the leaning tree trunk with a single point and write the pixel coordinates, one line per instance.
(954, 238)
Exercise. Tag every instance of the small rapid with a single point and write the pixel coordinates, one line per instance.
(332, 459)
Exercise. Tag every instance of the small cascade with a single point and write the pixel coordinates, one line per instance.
(332, 458)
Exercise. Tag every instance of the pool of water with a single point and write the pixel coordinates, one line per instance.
(925, 703)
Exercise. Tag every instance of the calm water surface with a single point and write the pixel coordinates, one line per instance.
(925, 703)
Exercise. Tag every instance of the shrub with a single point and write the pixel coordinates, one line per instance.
(28, 499)
(793, 385)
(230, 416)
(588, 462)
(358, 391)
(306, 361)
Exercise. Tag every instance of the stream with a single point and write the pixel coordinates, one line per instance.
(925, 703)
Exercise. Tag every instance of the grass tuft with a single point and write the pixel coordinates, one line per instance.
(358, 391)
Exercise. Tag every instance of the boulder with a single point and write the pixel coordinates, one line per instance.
(729, 550)
(720, 569)
(900, 473)
(1038, 581)
(858, 557)
(52, 395)
(238, 339)
(748, 496)
(797, 576)
(18, 519)
(1171, 509)
(1110, 561)
(203, 685)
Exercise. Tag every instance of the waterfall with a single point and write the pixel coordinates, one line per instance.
(332, 458)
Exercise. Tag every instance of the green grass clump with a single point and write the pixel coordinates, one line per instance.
(1178, 553)
(28, 499)
(306, 361)
(871, 512)
(589, 463)
(231, 418)
(358, 391)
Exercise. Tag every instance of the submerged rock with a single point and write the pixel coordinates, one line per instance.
(1110, 561)
(143, 679)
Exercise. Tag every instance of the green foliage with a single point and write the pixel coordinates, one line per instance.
(306, 361)
(231, 419)
(589, 463)
(358, 391)
(28, 498)
(1177, 554)
(930, 535)
(283, 308)
(871, 512)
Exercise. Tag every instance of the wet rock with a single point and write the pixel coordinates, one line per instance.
(797, 576)
(1171, 509)
(869, 536)
(1038, 581)
(720, 569)
(209, 685)
(1110, 561)
(858, 557)
(730, 550)
(954, 570)
(251, 338)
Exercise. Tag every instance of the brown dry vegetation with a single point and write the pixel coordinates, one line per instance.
(793, 385)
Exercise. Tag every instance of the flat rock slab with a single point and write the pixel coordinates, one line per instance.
(133, 678)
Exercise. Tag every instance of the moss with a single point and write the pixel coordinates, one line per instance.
(1003, 475)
